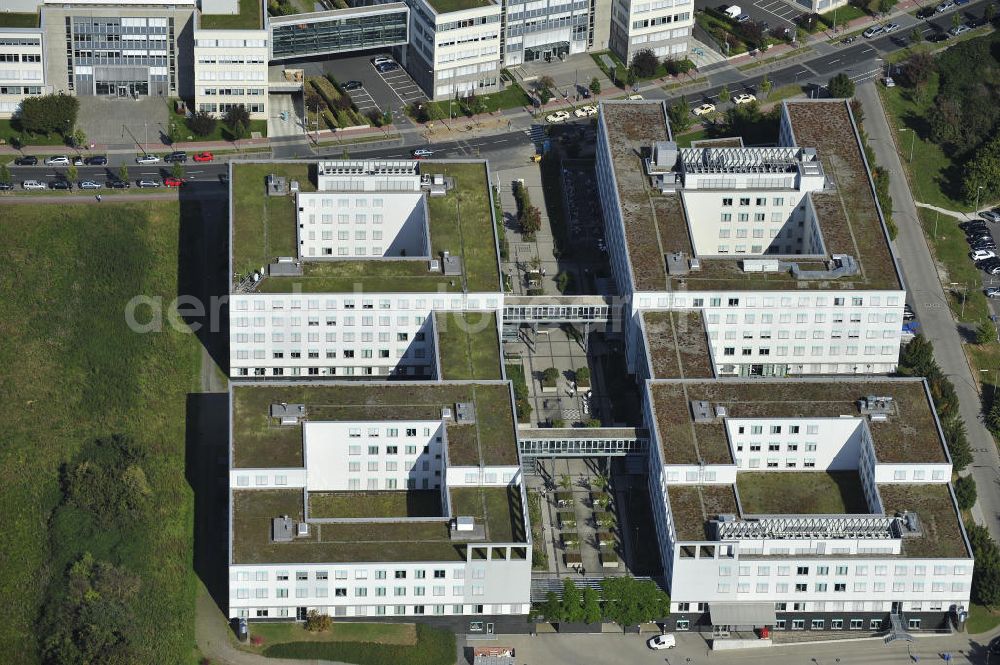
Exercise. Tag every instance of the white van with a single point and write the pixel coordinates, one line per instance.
(32, 184)
(733, 11)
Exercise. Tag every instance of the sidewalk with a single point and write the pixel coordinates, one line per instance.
(924, 291)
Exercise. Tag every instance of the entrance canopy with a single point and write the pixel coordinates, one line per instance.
(742, 614)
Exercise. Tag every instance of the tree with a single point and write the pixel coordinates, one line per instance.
(990, 12)
(680, 114)
(917, 35)
(724, 94)
(202, 123)
(884, 6)
(5, 173)
(49, 114)
(956, 19)
(315, 102)
(177, 170)
(318, 623)
(123, 172)
(591, 606)
(72, 172)
(550, 609)
(841, 85)
(917, 70)
(79, 137)
(545, 82)
(965, 492)
(595, 85)
(645, 63)
(572, 607)
(765, 86)
(986, 574)
(565, 481)
(992, 418)
(985, 333)
(238, 120)
(629, 602)
(531, 221)
(550, 376)
(983, 170)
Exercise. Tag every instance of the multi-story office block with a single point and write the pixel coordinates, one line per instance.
(363, 270)
(661, 26)
(22, 72)
(820, 504)
(230, 70)
(545, 30)
(382, 25)
(376, 500)
(454, 48)
(773, 261)
(132, 50)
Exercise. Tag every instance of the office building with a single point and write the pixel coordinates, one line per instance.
(22, 72)
(230, 70)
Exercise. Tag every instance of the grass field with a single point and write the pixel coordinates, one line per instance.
(433, 647)
(404, 634)
(510, 97)
(9, 133)
(74, 371)
(981, 620)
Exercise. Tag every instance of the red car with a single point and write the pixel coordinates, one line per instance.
(174, 182)
(203, 157)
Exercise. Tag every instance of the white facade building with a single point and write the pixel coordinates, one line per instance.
(231, 69)
(661, 26)
(22, 71)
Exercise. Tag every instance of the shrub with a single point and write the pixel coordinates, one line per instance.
(318, 623)
(841, 85)
(593, 422)
(644, 63)
(965, 492)
(48, 114)
(238, 120)
(202, 123)
(583, 376)
(550, 376)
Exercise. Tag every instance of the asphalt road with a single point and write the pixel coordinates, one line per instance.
(192, 171)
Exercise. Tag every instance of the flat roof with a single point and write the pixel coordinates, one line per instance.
(248, 18)
(656, 225)
(942, 533)
(260, 442)
(468, 345)
(375, 503)
(693, 506)
(445, 6)
(460, 222)
(801, 493)
(677, 344)
(347, 12)
(909, 435)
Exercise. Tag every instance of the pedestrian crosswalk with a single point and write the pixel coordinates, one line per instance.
(536, 133)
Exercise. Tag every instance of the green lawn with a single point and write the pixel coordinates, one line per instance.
(381, 276)
(812, 493)
(539, 556)
(952, 253)
(929, 178)
(685, 140)
(248, 19)
(74, 371)
(404, 634)
(842, 15)
(515, 374)
(981, 620)
(510, 97)
(221, 133)
(11, 134)
(434, 646)
(17, 20)
(468, 345)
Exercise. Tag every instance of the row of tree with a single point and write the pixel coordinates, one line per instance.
(528, 216)
(622, 600)
(645, 64)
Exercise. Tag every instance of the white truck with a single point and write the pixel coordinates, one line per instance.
(733, 11)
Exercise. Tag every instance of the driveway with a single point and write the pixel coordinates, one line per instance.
(928, 300)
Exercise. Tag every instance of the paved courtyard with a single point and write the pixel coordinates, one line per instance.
(123, 122)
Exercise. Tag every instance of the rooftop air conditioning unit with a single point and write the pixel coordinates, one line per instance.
(301, 530)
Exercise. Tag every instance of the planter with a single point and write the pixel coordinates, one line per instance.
(567, 627)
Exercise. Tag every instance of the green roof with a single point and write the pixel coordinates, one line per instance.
(248, 18)
(18, 20)
(497, 508)
(460, 222)
(445, 6)
(259, 442)
(910, 434)
(385, 503)
(693, 506)
(468, 345)
(678, 345)
(801, 493)
(941, 530)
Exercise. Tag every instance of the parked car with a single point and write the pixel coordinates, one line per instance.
(585, 111)
(174, 182)
(118, 184)
(744, 98)
(381, 60)
(583, 91)
(704, 109)
(178, 156)
(888, 82)
(992, 291)
(983, 244)
(992, 268)
(990, 216)
(89, 184)
(143, 184)
(959, 30)
(6, 186)
(32, 184)
(667, 641)
(959, 3)
(57, 160)
(558, 116)
(78, 161)
(743, 18)
(352, 85)
(848, 40)
(386, 67)
(982, 255)
(147, 159)
(891, 27)
(61, 184)
(634, 97)
(422, 153)
(873, 31)
(27, 160)
(96, 160)
(972, 223)
(203, 156)
(944, 6)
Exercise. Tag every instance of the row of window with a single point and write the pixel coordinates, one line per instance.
(359, 574)
(233, 92)
(660, 20)
(840, 587)
(359, 234)
(20, 57)
(348, 354)
(836, 333)
(243, 593)
(20, 90)
(859, 570)
(314, 321)
(381, 610)
(419, 371)
(350, 303)
(850, 350)
(804, 317)
(801, 301)
(252, 107)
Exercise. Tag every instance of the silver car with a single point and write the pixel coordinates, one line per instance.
(57, 160)
(89, 184)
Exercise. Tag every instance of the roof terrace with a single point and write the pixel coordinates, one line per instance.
(260, 441)
(460, 222)
(910, 434)
(657, 225)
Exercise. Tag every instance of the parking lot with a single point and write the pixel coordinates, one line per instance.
(772, 12)
(389, 93)
(402, 86)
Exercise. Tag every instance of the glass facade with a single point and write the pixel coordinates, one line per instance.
(121, 56)
(339, 34)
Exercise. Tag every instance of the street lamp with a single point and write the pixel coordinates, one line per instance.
(980, 187)
(913, 138)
